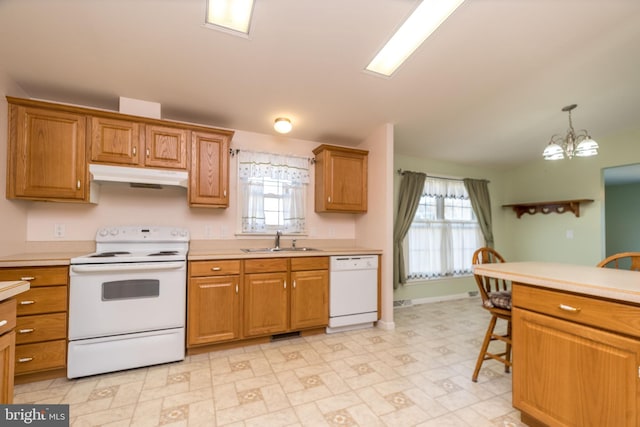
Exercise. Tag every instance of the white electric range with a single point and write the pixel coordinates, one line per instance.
(127, 301)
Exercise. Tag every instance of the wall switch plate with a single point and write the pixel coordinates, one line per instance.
(208, 231)
(569, 234)
(58, 230)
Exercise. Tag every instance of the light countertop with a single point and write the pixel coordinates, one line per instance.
(54, 254)
(206, 254)
(621, 285)
(38, 259)
(12, 288)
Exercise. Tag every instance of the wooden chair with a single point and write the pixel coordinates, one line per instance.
(625, 260)
(496, 298)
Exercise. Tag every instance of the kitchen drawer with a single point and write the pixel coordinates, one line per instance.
(37, 276)
(41, 327)
(265, 265)
(40, 356)
(310, 263)
(609, 315)
(42, 300)
(214, 268)
(7, 315)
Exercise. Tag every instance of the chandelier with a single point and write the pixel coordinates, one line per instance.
(578, 144)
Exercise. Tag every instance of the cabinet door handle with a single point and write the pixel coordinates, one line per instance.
(3, 322)
(294, 284)
(27, 302)
(329, 199)
(26, 331)
(569, 308)
(28, 278)
(134, 151)
(285, 284)
(147, 152)
(236, 289)
(25, 359)
(224, 193)
(216, 268)
(78, 184)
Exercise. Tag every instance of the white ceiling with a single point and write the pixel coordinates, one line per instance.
(486, 88)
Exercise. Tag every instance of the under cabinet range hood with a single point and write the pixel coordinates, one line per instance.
(139, 177)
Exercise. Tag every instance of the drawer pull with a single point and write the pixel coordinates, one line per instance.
(28, 278)
(569, 308)
(26, 331)
(27, 302)
(3, 322)
(25, 359)
(216, 268)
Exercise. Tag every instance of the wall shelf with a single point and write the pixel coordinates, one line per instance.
(560, 206)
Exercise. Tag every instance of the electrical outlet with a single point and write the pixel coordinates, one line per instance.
(58, 230)
(224, 231)
(208, 231)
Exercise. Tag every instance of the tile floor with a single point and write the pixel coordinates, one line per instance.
(416, 375)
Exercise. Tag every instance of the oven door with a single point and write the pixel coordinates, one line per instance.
(115, 299)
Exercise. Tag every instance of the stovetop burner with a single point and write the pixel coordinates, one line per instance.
(109, 254)
(164, 253)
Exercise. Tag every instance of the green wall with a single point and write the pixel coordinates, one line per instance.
(554, 237)
(622, 210)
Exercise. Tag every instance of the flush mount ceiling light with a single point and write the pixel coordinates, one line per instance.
(572, 144)
(233, 15)
(419, 25)
(282, 125)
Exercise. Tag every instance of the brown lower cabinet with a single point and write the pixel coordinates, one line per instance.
(213, 309)
(7, 349)
(41, 325)
(576, 359)
(231, 300)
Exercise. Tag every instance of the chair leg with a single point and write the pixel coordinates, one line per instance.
(507, 355)
(485, 347)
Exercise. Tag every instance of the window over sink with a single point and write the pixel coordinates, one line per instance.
(272, 192)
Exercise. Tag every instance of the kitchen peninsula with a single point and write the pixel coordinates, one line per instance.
(576, 343)
(8, 309)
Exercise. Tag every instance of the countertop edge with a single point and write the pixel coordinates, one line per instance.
(203, 255)
(9, 289)
(619, 285)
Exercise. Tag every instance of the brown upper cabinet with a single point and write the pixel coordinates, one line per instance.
(341, 179)
(131, 143)
(46, 154)
(209, 175)
(50, 146)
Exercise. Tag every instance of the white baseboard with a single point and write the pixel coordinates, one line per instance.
(409, 303)
(387, 326)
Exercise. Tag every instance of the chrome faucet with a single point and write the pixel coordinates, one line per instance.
(277, 243)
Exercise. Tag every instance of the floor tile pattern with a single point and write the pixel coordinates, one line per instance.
(416, 375)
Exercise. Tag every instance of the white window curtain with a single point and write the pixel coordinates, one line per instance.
(444, 233)
(292, 176)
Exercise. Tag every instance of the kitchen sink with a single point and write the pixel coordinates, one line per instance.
(268, 250)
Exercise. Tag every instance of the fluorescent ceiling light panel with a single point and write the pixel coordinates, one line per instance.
(419, 25)
(234, 15)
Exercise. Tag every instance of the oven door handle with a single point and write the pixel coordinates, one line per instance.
(160, 266)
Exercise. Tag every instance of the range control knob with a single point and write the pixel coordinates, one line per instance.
(114, 232)
(183, 233)
(103, 232)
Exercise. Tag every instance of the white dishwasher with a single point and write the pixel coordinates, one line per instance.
(353, 292)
